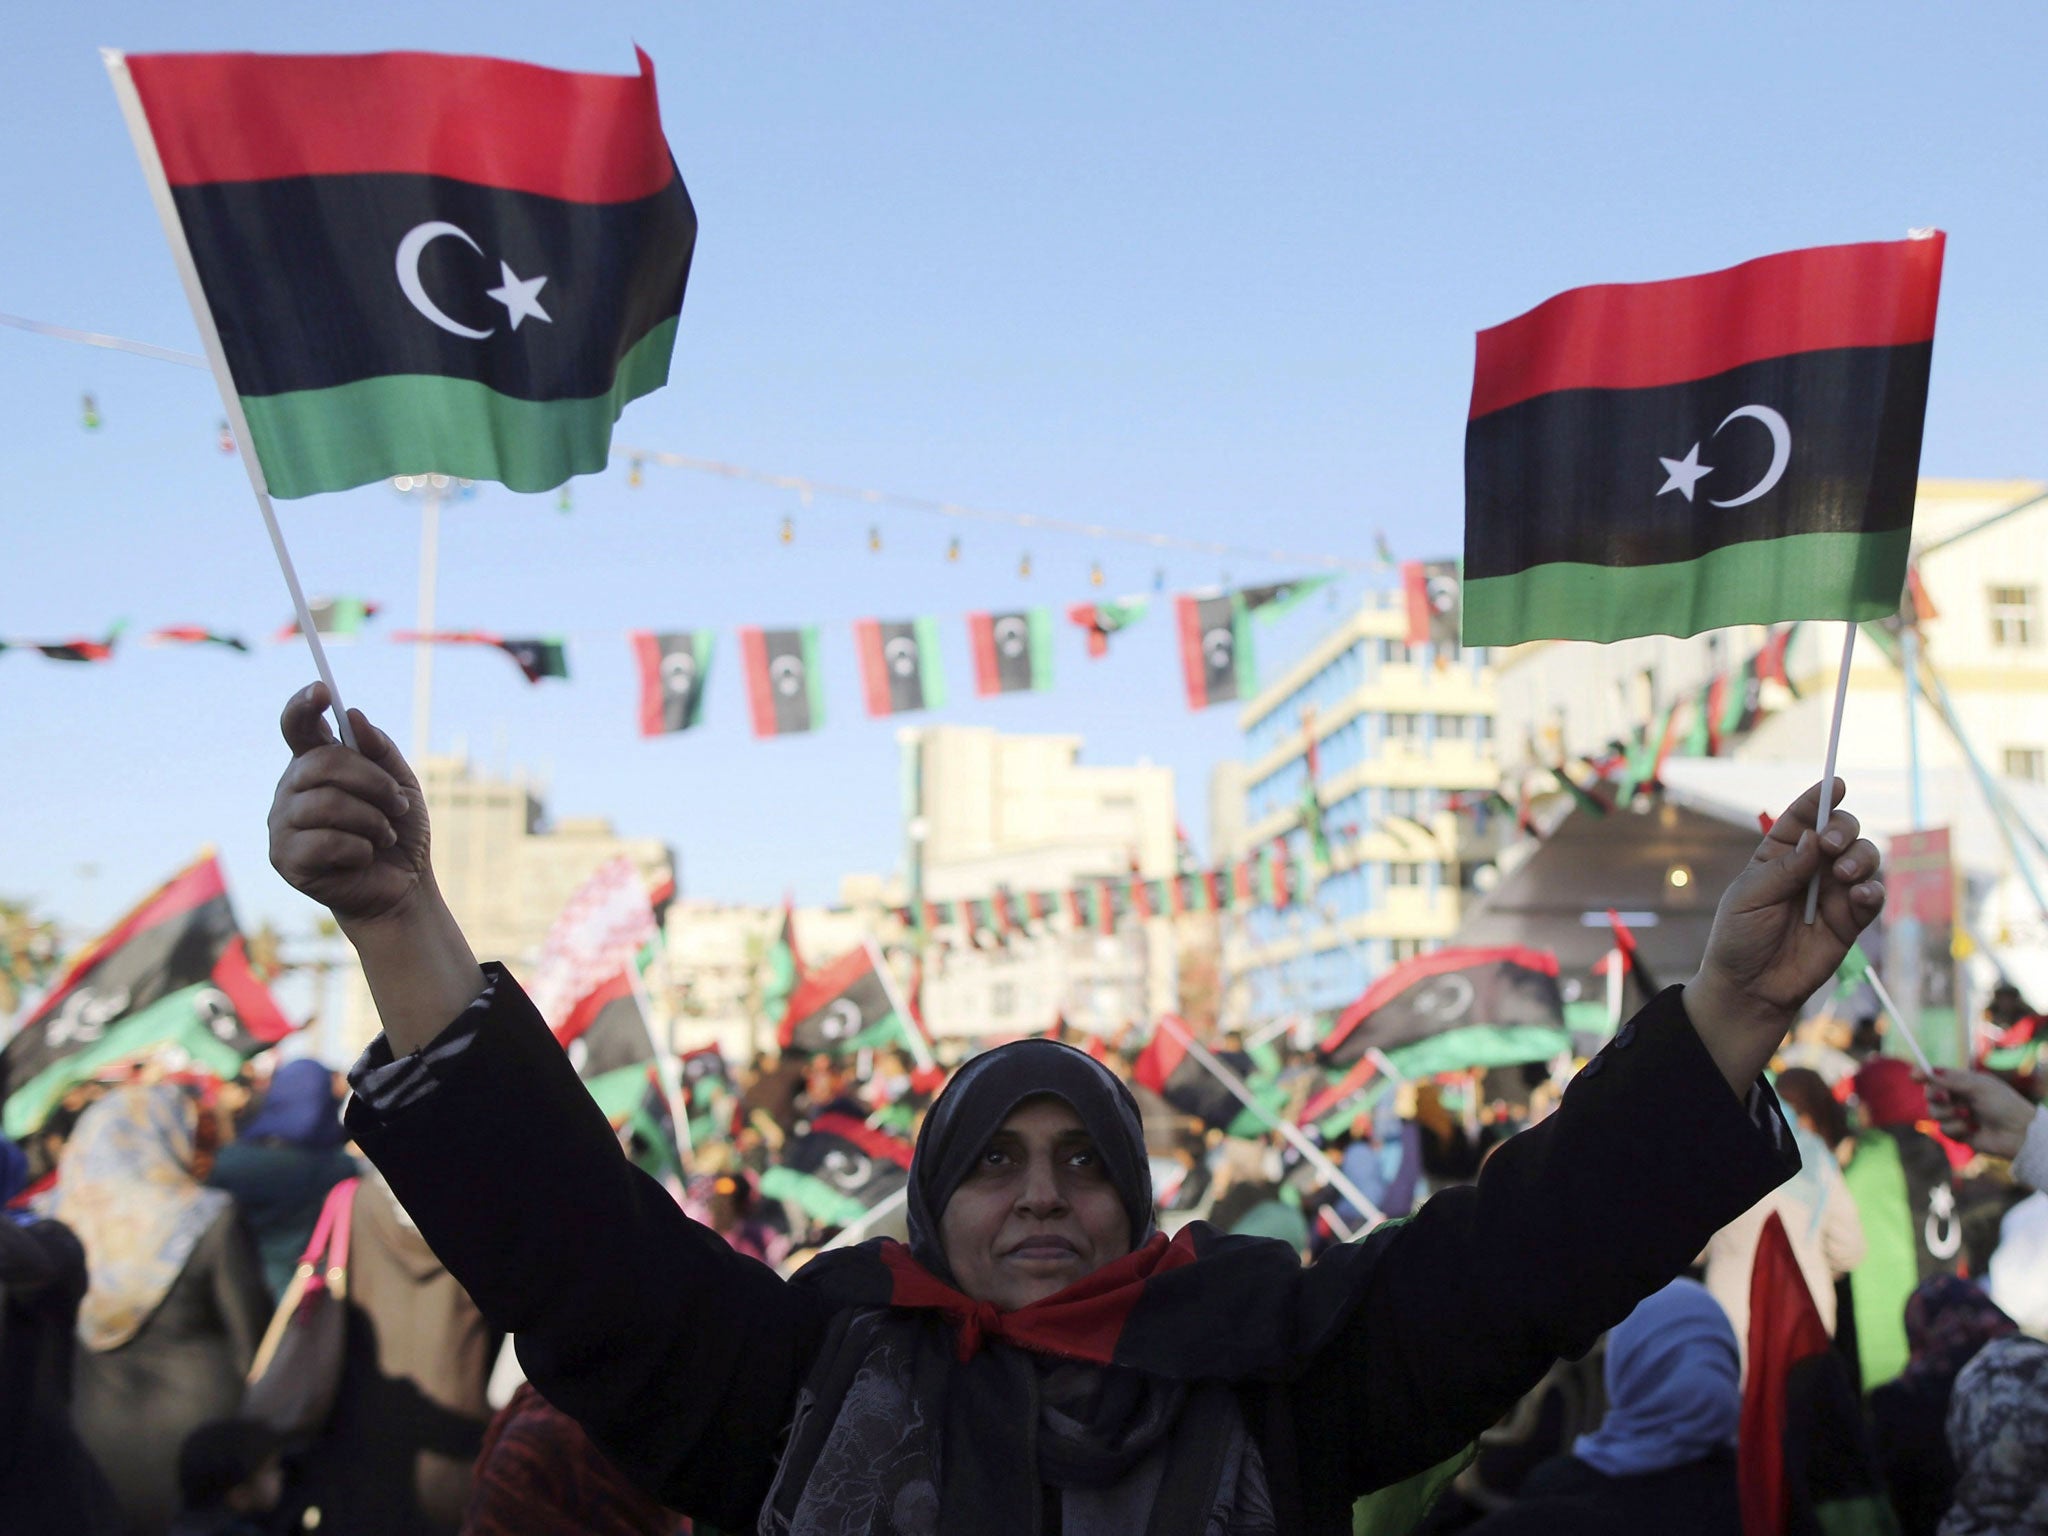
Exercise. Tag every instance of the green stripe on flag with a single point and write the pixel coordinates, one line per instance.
(817, 1199)
(1891, 1260)
(1854, 576)
(931, 673)
(814, 676)
(313, 440)
(1479, 1045)
(1041, 649)
(619, 1092)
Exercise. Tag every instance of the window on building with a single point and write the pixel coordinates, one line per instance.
(1451, 727)
(2013, 617)
(1402, 727)
(1402, 802)
(1404, 873)
(1394, 650)
(1404, 949)
(2025, 763)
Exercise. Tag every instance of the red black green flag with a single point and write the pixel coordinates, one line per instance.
(536, 659)
(840, 1169)
(1502, 1005)
(1735, 448)
(418, 261)
(171, 975)
(1101, 620)
(673, 671)
(1216, 651)
(342, 616)
(1177, 1075)
(612, 1048)
(785, 691)
(844, 1006)
(195, 634)
(1430, 590)
(1012, 651)
(899, 665)
(68, 650)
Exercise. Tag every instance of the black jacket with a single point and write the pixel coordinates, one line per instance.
(683, 1359)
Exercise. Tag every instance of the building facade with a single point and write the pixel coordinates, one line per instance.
(986, 812)
(505, 871)
(1401, 734)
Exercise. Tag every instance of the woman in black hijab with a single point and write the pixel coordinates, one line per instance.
(1038, 1358)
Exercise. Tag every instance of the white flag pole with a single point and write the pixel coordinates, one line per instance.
(216, 359)
(847, 1236)
(1308, 1149)
(1884, 999)
(918, 1049)
(1827, 773)
(664, 1062)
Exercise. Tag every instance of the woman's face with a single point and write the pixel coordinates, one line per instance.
(1037, 1211)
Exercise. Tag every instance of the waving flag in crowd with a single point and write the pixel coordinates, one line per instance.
(419, 261)
(1736, 448)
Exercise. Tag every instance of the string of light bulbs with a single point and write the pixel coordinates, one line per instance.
(807, 489)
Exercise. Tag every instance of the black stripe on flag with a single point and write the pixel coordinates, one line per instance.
(1216, 631)
(1850, 435)
(902, 664)
(789, 678)
(305, 279)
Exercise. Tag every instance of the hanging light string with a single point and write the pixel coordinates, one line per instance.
(807, 488)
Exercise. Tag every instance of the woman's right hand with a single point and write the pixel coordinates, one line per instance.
(348, 828)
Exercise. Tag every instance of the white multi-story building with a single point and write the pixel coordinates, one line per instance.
(1399, 731)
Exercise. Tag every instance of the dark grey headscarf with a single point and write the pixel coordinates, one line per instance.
(980, 1098)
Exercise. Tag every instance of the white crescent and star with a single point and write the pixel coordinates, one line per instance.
(1684, 475)
(519, 295)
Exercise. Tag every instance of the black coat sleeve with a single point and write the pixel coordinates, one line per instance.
(680, 1357)
(1570, 1225)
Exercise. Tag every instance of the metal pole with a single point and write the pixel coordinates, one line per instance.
(423, 648)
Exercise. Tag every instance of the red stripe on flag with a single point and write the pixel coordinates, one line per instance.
(760, 693)
(1194, 670)
(981, 637)
(874, 667)
(260, 117)
(591, 1004)
(254, 1005)
(1156, 1063)
(1362, 1072)
(647, 652)
(193, 886)
(871, 1141)
(1415, 590)
(1640, 335)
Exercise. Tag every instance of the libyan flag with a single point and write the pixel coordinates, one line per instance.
(673, 670)
(840, 1169)
(1216, 652)
(785, 693)
(418, 261)
(845, 1006)
(1012, 651)
(1736, 448)
(612, 1050)
(899, 665)
(1455, 1009)
(1170, 1069)
(171, 975)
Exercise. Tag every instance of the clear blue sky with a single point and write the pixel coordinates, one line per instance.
(1212, 269)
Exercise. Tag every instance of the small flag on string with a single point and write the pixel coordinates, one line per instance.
(538, 229)
(1431, 590)
(1101, 620)
(89, 413)
(899, 665)
(537, 659)
(70, 650)
(785, 694)
(195, 634)
(1012, 651)
(341, 616)
(1735, 448)
(673, 671)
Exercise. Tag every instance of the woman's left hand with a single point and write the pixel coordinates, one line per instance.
(1763, 958)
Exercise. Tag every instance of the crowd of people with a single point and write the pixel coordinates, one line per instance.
(1623, 1294)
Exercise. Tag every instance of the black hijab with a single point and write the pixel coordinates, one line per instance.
(982, 1096)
